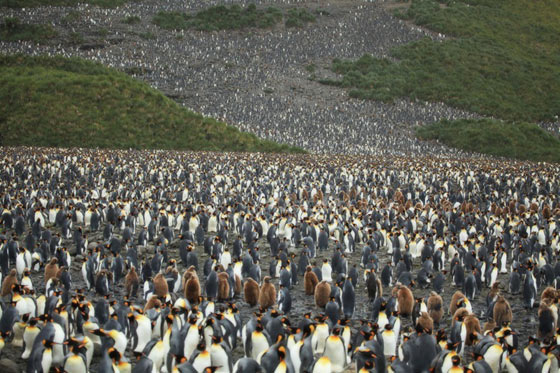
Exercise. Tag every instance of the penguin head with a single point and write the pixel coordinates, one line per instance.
(455, 360)
(114, 354)
(282, 353)
(48, 343)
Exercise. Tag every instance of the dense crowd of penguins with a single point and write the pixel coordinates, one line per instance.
(135, 261)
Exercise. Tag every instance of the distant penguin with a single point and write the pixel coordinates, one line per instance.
(9, 282)
(191, 285)
(514, 281)
(51, 269)
(310, 281)
(405, 300)
(284, 299)
(348, 301)
(529, 290)
(547, 324)
(435, 307)
(438, 282)
(132, 282)
(251, 292)
(502, 312)
(322, 294)
(267, 293)
(161, 288)
(211, 285)
(326, 271)
(223, 286)
(387, 275)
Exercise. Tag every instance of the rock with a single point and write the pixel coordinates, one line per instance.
(8, 366)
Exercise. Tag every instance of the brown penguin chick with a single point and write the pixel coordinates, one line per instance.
(238, 285)
(267, 295)
(160, 285)
(502, 311)
(405, 300)
(153, 302)
(549, 293)
(187, 275)
(192, 287)
(223, 286)
(310, 281)
(322, 294)
(9, 281)
(489, 326)
(51, 269)
(460, 314)
(251, 292)
(131, 282)
(457, 296)
(472, 326)
(425, 324)
(494, 291)
(435, 307)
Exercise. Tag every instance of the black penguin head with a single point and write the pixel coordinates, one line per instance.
(456, 360)
(114, 354)
(48, 343)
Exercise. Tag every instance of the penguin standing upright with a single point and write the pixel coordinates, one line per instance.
(389, 341)
(220, 355)
(348, 302)
(41, 357)
(267, 294)
(335, 350)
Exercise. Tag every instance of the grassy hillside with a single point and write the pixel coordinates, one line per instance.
(235, 17)
(502, 59)
(73, 102)
(504, 139)
(12, 29)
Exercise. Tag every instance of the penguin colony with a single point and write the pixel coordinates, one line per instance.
(267, 93)
(128, 261)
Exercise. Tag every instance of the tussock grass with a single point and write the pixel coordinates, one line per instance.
(521, 140)
(72, 102)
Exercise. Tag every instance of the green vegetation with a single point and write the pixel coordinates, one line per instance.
(11, 29)
(76, 38)
(131, 20)
(503, 59)
(504, 139)
(147, 35)
(220, 18)
(71, 17)
(73, 102)
(36, 3)
(234, 17)
(298, 17)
